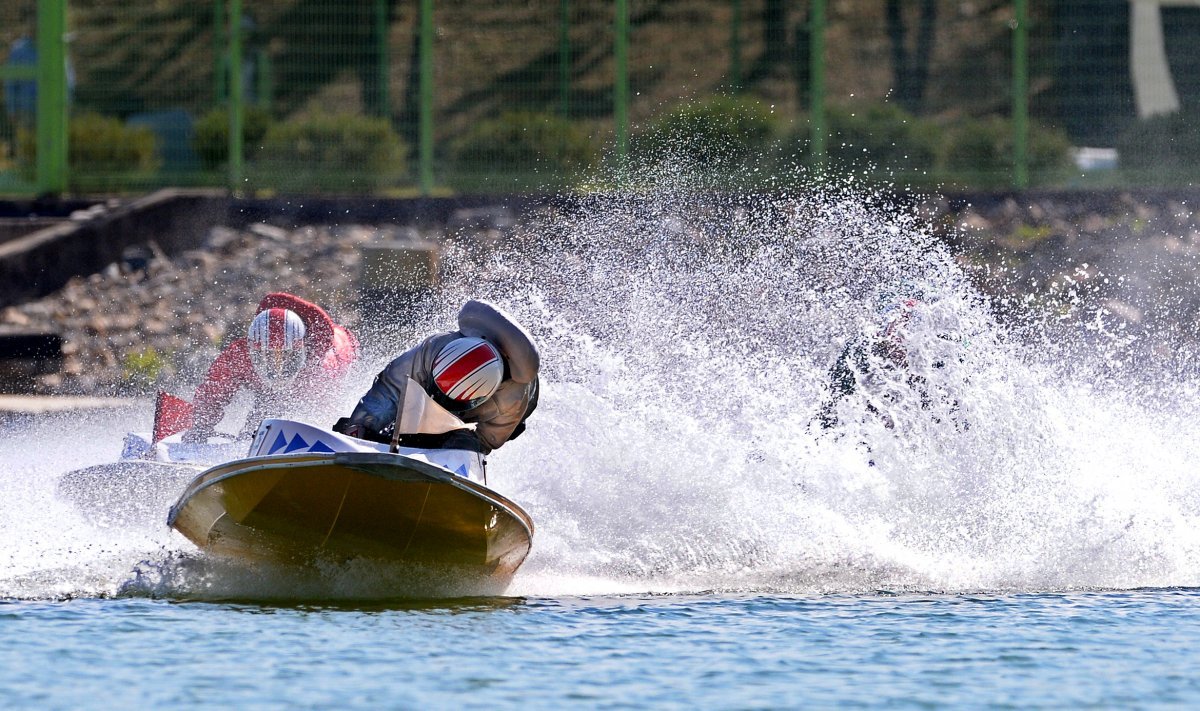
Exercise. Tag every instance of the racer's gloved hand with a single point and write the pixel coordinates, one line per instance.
(351, 429)
(197, 435)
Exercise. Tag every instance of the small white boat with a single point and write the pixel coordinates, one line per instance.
(150, 473)
(144, 481)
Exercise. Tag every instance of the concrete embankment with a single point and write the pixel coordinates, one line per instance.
(39, 262)
(45, 404)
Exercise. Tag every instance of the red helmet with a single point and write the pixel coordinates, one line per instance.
(467, 371)
(276, 344)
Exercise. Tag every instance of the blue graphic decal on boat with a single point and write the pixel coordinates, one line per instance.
(319, 446)
(296, 443)
(463, 471)
(279, 444)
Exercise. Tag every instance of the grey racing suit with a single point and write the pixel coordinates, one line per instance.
(498, 419)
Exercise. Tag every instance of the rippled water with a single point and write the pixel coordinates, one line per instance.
(700, 540)
(1106, 649)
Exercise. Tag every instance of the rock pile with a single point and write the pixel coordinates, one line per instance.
(1134, 260)
(153, 321)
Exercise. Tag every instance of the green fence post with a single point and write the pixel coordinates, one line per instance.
(236, 95)
(381, 49)
(564, 58)
(621, 80)
(735, 47)
(1020, 98)
(265, 79)
(52, 134)
(816, 87)
(425, 127)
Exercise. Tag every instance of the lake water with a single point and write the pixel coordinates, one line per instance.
(1131, 649)
(1011, 521)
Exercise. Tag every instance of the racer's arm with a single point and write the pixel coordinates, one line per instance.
(499, 418)
(378, 407)
(230, 372)
(341, 355)
(511, 404)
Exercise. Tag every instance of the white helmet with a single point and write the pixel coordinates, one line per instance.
(276, 344)
(467, 371)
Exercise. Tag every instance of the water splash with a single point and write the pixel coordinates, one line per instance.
(51, 549)
(687, 339)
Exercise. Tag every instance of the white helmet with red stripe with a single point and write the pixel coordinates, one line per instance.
(467, 371)
(276, 344)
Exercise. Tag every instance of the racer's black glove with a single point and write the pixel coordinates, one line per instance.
(348, 428)
(359, 431)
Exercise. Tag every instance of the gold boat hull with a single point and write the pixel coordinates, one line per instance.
(300, 508)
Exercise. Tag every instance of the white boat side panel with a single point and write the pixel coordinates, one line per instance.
(277, 437)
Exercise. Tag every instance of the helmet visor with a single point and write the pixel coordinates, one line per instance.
(457, 406)
(277, 365)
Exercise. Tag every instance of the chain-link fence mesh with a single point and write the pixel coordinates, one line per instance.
(143, 84)
(18, 100)
(317, 87)
(515, 95)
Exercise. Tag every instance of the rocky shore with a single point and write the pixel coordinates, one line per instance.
(1122, 262)
(151, 321)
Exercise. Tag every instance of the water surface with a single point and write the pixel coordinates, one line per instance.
(1106, 649)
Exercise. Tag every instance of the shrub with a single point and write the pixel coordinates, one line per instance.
(1168, 142)
(981, 150)
(7, 132)
(103, 144)
(142, 369)
(525, 142)
(721, 131)
(1049, 150)
(340, 152)
(103, 152)
(881, 137)
(211, 140)
(977, 146)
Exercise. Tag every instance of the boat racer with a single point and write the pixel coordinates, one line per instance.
(884, 355)
(484, 373)
(293, 353)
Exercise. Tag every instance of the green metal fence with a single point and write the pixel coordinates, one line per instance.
(18, 75)
(441, 95)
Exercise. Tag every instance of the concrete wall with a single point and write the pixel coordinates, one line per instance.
(89, 239)
(16, 227)
(41, 262)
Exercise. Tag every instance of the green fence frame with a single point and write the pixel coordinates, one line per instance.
(1020, 94)
(816, 68)
(52, 105)
(621, 80)
(52, 96)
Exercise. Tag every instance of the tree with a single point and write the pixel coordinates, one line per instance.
(775, 30)
(910, 69)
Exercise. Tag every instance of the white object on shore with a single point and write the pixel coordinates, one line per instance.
(1089, 158)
